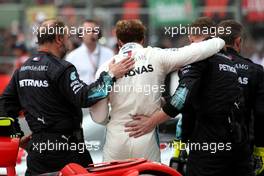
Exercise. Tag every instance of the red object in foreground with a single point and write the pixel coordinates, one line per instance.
(131, 167)
(20, 155)
(4, 79)
(8, 152)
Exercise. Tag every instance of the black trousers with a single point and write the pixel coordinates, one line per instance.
(261, 174)
(51, 152)
(237, 162)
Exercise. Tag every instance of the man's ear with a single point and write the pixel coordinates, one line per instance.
(190, 38)
(59, 39)
(238, 43)
(142, 41)
(120, 43)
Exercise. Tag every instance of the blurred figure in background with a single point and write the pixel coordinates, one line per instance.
(21, 54)
(258, 57)
(90, 55)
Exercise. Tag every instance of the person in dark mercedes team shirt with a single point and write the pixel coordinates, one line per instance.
(251, 79)
(50, 92)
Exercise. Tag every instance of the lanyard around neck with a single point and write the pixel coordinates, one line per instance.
(95, 64)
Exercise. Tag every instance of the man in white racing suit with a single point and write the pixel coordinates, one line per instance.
(139, 91)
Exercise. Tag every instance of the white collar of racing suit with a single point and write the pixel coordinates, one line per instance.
(129, 47)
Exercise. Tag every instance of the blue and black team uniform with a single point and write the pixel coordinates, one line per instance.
(251, 79)
(50, 92)
(211, 100)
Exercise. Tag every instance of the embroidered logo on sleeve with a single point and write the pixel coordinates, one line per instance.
(73, 76)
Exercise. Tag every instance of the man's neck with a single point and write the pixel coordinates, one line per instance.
(230, 46)
(91, 46)
(50, 49)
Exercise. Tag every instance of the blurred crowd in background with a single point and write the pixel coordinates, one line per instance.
(18, 18)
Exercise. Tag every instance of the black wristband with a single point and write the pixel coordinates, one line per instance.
(170, 110)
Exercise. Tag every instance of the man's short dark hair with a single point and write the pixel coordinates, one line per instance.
(130, 31)
(201, 23)
(49, 29)
(236, 30)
